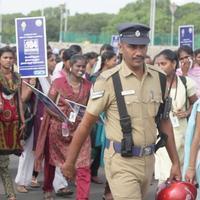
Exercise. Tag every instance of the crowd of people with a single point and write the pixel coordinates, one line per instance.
(80, 84)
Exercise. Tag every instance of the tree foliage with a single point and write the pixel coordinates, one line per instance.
(89, 23)
(52, 16)
(188, 14)
(138, 11)
(8, 27)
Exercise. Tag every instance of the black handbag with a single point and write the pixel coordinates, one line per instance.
(30, 108)
(29, 120)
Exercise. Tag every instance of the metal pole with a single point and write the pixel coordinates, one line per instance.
(42, 12)
(42, 9)
(66, 19)
(66, 22)
(61, 23)
(173, 8)
(152, 20)
(172, 30)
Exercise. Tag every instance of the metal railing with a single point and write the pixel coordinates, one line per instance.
(159, 39)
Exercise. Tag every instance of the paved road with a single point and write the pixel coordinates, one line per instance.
(36, 194)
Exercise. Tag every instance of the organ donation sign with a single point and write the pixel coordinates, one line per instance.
(31, 46)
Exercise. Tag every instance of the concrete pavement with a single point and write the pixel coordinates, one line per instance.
(36, 194)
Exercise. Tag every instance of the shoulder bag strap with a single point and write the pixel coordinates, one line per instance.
(125, 120)
(184, 81)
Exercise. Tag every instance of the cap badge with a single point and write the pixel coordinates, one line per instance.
(137, 33)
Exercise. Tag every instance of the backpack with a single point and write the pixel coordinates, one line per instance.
(162, 136)
(184, 81)
(163, 81)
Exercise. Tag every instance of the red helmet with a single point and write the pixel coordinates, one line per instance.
(176, 190)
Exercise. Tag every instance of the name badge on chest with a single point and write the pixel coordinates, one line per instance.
(127, 92)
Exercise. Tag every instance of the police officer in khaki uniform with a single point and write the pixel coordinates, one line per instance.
(128, 177)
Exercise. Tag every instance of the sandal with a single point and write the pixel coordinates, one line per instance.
(107, 193)
(21, 189)
(34, 183)
(107, 196)
(64, 192)
(12, 197)
(48, 196)
(96, 180)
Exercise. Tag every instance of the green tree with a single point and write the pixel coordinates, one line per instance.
(188, 14)
(105, 24)
(8, 27)
(139, 12)
(91, 23)
(132, 12)
(52, 16)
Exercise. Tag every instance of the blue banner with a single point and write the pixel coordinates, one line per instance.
(114, 42)
(31, 46)
(186, 35)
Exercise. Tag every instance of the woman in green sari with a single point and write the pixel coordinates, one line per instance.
(11, 117)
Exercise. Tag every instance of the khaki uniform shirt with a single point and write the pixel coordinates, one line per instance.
(142, 98)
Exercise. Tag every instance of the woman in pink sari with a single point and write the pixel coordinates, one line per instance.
(189, 65)
(59, 134)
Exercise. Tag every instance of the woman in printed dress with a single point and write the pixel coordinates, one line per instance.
(188, 61)
(59, 134)
(11, 117)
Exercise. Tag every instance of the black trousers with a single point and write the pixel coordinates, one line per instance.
(96, 162)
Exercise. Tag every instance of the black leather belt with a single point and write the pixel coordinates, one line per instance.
(136, 151)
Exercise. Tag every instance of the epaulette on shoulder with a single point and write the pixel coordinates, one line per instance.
(108, 73)
(156, 68)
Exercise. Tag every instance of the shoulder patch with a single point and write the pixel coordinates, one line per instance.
(97, 94)
(108, 73)
(155, 68)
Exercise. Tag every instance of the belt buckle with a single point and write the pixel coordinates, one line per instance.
(147, 151)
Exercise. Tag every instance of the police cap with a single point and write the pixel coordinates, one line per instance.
(132, 33)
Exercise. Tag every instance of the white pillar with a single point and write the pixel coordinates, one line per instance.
(173, 8)
(43, 6)
(42, 12)
(61, 23)
(152, 20)
(66, 20)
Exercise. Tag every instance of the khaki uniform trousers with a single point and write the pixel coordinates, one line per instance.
(129, 178)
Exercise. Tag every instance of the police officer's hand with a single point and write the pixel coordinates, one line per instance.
(175, 173)
(68, 170)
